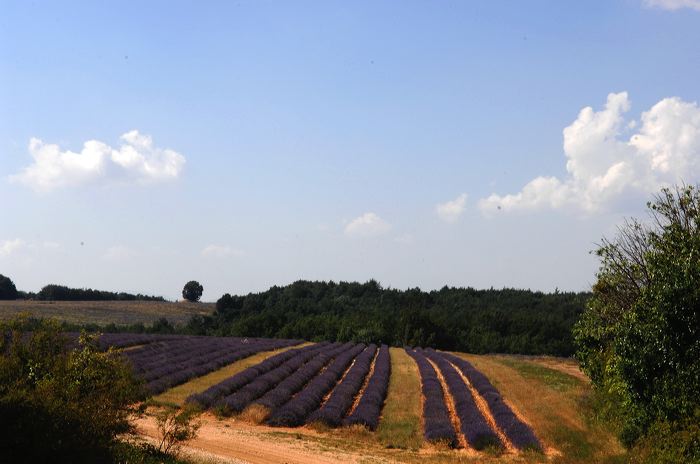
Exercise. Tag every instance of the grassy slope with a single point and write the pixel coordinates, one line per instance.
(400, 426)
(556, 406)
(105, 312)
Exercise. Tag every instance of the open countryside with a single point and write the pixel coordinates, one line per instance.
(367, 232)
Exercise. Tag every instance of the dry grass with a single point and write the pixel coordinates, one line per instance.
(106, 312)
(400, 426)
(553, 405)
(176, 396)
(254, 414)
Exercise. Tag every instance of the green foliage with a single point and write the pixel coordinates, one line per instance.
(8, 291)
(463, 319)
(175, 427)
(54, 292)
(639, 339)
(60, 402)
(192, 291)
(552, 378)
(142, 453)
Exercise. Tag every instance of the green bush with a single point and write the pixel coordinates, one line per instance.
(60, 401)
(639, 338)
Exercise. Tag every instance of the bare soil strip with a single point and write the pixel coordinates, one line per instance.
(483, 407)
(364, 384)
(328, 395)
(450, 403)
(237, 442)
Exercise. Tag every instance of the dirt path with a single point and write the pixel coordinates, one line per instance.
(237, 442)
(565, 366)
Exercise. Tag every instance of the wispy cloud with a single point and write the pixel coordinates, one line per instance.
(367, 225)
(221, 251)
(136, 159)
(606, 163)
(8, 247)
(673, 4)
(451, 210)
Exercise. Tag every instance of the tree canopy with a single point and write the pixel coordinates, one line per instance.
(464, 319)
(192, 291)
(54, 292)
(639, 338)
(8, 291)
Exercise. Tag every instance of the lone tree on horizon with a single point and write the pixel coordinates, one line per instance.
(192, 291)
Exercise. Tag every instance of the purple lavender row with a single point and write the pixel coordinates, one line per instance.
(343, 396)
(198, 353)
(202, 355)
(519, 433)
(124, 340)
(295, 411)
(173, 351)
(238, 400)
(284, 391)
(145, 359)
(437, 423)
(201, 365)
(232, 384)
(370, 406)
(473, 425)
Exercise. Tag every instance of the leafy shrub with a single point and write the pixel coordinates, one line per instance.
(60, 402)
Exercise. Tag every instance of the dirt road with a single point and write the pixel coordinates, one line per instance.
(237, 442)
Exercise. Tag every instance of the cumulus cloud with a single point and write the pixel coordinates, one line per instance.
(135, 159)
(220, 251)
(606, 163)
(451, 210)
(673, 4)
(367, 225)
(8, 247)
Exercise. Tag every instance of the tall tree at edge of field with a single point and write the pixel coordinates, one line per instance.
(639, 338)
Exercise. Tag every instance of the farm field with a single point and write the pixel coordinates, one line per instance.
(106, 312)
(333, 402)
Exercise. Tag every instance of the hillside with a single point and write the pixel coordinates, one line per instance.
(550, 394)
(106, 312)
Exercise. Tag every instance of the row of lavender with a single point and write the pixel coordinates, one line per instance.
(473, 425)
(163, 363)
(327, 382)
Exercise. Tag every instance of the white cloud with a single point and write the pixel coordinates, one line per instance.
(673, 4)
(604, 166)
(8, 247)
(220, 251)
(451, 210)
(367, 225)
(136, 159)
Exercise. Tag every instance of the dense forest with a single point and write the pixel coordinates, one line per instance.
(61, 293)
(463, 319)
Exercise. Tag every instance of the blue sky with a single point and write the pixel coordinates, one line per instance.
(144, 144)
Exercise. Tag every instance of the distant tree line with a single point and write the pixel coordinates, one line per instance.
(62, 293)
(461, 319)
